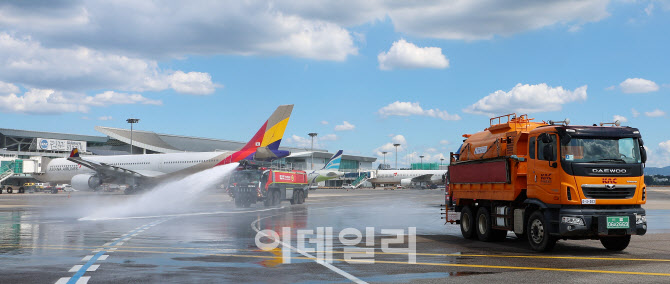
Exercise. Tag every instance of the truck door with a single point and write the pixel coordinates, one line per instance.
(544, 178)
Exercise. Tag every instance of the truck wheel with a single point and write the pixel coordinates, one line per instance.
(238, 201)
(484, 224)
(538, 233)
(10, 190)
(301, 197)
(22, 190)
(275, 198)
(295, 198)
(467, 223)
(618, 243)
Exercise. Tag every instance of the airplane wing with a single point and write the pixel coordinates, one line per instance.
(422, 178)
(109, 170)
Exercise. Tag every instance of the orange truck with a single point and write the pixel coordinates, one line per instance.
(252, 182)
(547, 181)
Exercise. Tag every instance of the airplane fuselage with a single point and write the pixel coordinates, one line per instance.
(61, 170)
(396, 176)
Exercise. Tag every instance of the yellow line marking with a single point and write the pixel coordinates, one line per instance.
(387, 262)
(388, 253)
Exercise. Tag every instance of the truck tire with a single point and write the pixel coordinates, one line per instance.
(301, 197)
(468, 223)
(268, 199)
(276, 198)
(538, 233)
(238, 201)
(10, 190)
(484, 226)
(295, 199)
(22, 190)
(617, 243)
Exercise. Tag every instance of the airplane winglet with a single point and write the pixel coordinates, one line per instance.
(74, 153)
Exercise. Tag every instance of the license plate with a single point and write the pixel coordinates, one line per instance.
(620, 222)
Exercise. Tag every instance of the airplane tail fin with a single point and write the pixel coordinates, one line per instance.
(74, 153)
(334, 163)
(268, 136)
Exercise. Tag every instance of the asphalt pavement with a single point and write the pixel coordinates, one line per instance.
(337, 236)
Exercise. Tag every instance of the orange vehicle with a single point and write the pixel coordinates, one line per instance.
(549, 181)
(252, 182)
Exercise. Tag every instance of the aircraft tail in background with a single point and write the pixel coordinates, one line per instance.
(264, 145)
(334, 162)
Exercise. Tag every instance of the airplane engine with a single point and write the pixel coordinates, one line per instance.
(85, 182)
(406, 182)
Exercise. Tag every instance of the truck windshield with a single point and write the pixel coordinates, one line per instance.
(597, 150)
(246, 176)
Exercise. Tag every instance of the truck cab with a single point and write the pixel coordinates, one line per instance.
(252, 182)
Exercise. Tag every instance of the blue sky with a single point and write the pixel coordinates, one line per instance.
(421, 74)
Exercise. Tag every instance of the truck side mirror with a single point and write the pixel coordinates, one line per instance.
(641, 141)
(643, 154)
(546, 138)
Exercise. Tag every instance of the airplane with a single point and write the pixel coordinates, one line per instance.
(407, 177)
(329, 171)
(144, 171)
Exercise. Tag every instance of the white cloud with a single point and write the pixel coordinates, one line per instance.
(620, 118)
(104, 118)
(654, 113)
(328, 137)
(649, 9)
(407, 109)
(638, 85)
(47, 101)
(444, 142)
(406, 55)
(665, 145)
(635, 112)
(323, 122)
(388, 147)
(173, 29)
(85, 118)
(27, 62)
(8, 88)
(194, 83)
(345, 126)
(526, 99)
(610, 88)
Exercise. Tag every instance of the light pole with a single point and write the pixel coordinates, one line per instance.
(441, 159)
(396, 155)
(313, 134)
(384, 153)
(132, 121)
(421, 161)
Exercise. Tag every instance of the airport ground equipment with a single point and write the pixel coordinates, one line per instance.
(253, 182)
(547, 181)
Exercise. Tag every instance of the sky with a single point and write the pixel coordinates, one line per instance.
(362, 74)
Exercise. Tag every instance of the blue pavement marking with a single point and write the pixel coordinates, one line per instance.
(88, 264)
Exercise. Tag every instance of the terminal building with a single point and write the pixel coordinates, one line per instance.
(30, 146)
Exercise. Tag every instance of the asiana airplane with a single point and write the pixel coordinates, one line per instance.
(147, 170)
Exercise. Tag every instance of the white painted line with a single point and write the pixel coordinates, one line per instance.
(188, 214)
(107, 244)
(87, 258)
(140, 231)
(83, 280)
(93, 267)
(111, 250)
(341, 272)
(63, 280)
(115, 239)
(75, 268)
(103, 257)
(119, 243)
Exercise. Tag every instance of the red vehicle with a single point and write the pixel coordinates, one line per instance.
(251, 183)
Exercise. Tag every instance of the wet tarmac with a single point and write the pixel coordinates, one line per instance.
(349, 236)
